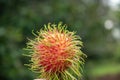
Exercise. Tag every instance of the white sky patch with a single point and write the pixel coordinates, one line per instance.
(116, 33)
(114, 4)
(108, 24)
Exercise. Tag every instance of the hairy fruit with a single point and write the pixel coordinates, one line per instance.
(56, 53)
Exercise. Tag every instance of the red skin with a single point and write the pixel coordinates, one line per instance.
(51, 56)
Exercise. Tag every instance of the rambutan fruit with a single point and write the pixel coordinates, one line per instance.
(56, 53)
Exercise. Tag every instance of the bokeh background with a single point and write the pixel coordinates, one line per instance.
(96, 21)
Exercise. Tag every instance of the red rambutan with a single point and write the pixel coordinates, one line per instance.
(55, 53)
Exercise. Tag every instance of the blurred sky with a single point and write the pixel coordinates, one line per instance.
(109, 24)
(114, 4)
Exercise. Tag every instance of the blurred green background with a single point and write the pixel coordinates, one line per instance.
(96, 21)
